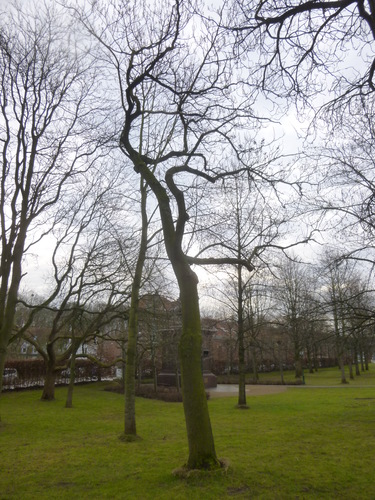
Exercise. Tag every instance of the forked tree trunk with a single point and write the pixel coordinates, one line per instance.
(202, 453)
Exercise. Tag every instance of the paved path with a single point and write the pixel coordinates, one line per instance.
(225, 390)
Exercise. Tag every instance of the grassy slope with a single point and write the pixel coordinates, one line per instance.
(305, 443)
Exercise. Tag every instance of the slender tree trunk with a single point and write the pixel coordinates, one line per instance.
(255, 366)
(241, 375)
(342, 368)
(309, 360)
(357, 371)
(297, 362)
(72, 367)
(281, 368)
(366, 361)
(3, 354)
(154, 376)
(241, 344)
(315, 357)
(130, 369)
(130, 428)
(123, 364)
(362, 361)
(350, 364)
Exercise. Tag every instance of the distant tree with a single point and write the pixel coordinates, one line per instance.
(294, 294)
(338, 275)
(347, 188)
(350, 303)
(249, 224)
(89, 284)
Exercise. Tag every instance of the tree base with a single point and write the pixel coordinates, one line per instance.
(242, 407)
(221, 466)
(129, 438)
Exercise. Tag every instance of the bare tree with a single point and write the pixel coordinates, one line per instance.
(293, 293)
(348, 302)
(90, 282)
(249, 220)
(196, 110)
(44, 101)
(347, 188)
(303, 43)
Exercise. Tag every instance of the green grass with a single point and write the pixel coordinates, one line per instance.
(322, 378)
(305, 443)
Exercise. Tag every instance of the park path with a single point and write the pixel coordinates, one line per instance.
(226, 390)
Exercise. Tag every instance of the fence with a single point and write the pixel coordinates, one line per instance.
(21, 374)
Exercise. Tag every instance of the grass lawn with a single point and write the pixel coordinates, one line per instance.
(301, 444)
(322, 378)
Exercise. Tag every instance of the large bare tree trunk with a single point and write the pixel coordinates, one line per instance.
(8, 296)
(49, 385)
(202, 453)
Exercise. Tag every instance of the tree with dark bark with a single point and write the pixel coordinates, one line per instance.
(130, 428)
(250, 222)
(89, 283)
(303, 43)
(338, 274)
(45, 81)
(294, 295)
(348, 302)
(195, 112)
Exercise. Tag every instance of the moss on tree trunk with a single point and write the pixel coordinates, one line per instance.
(202, 453)
(130, 422)
(130, 429)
